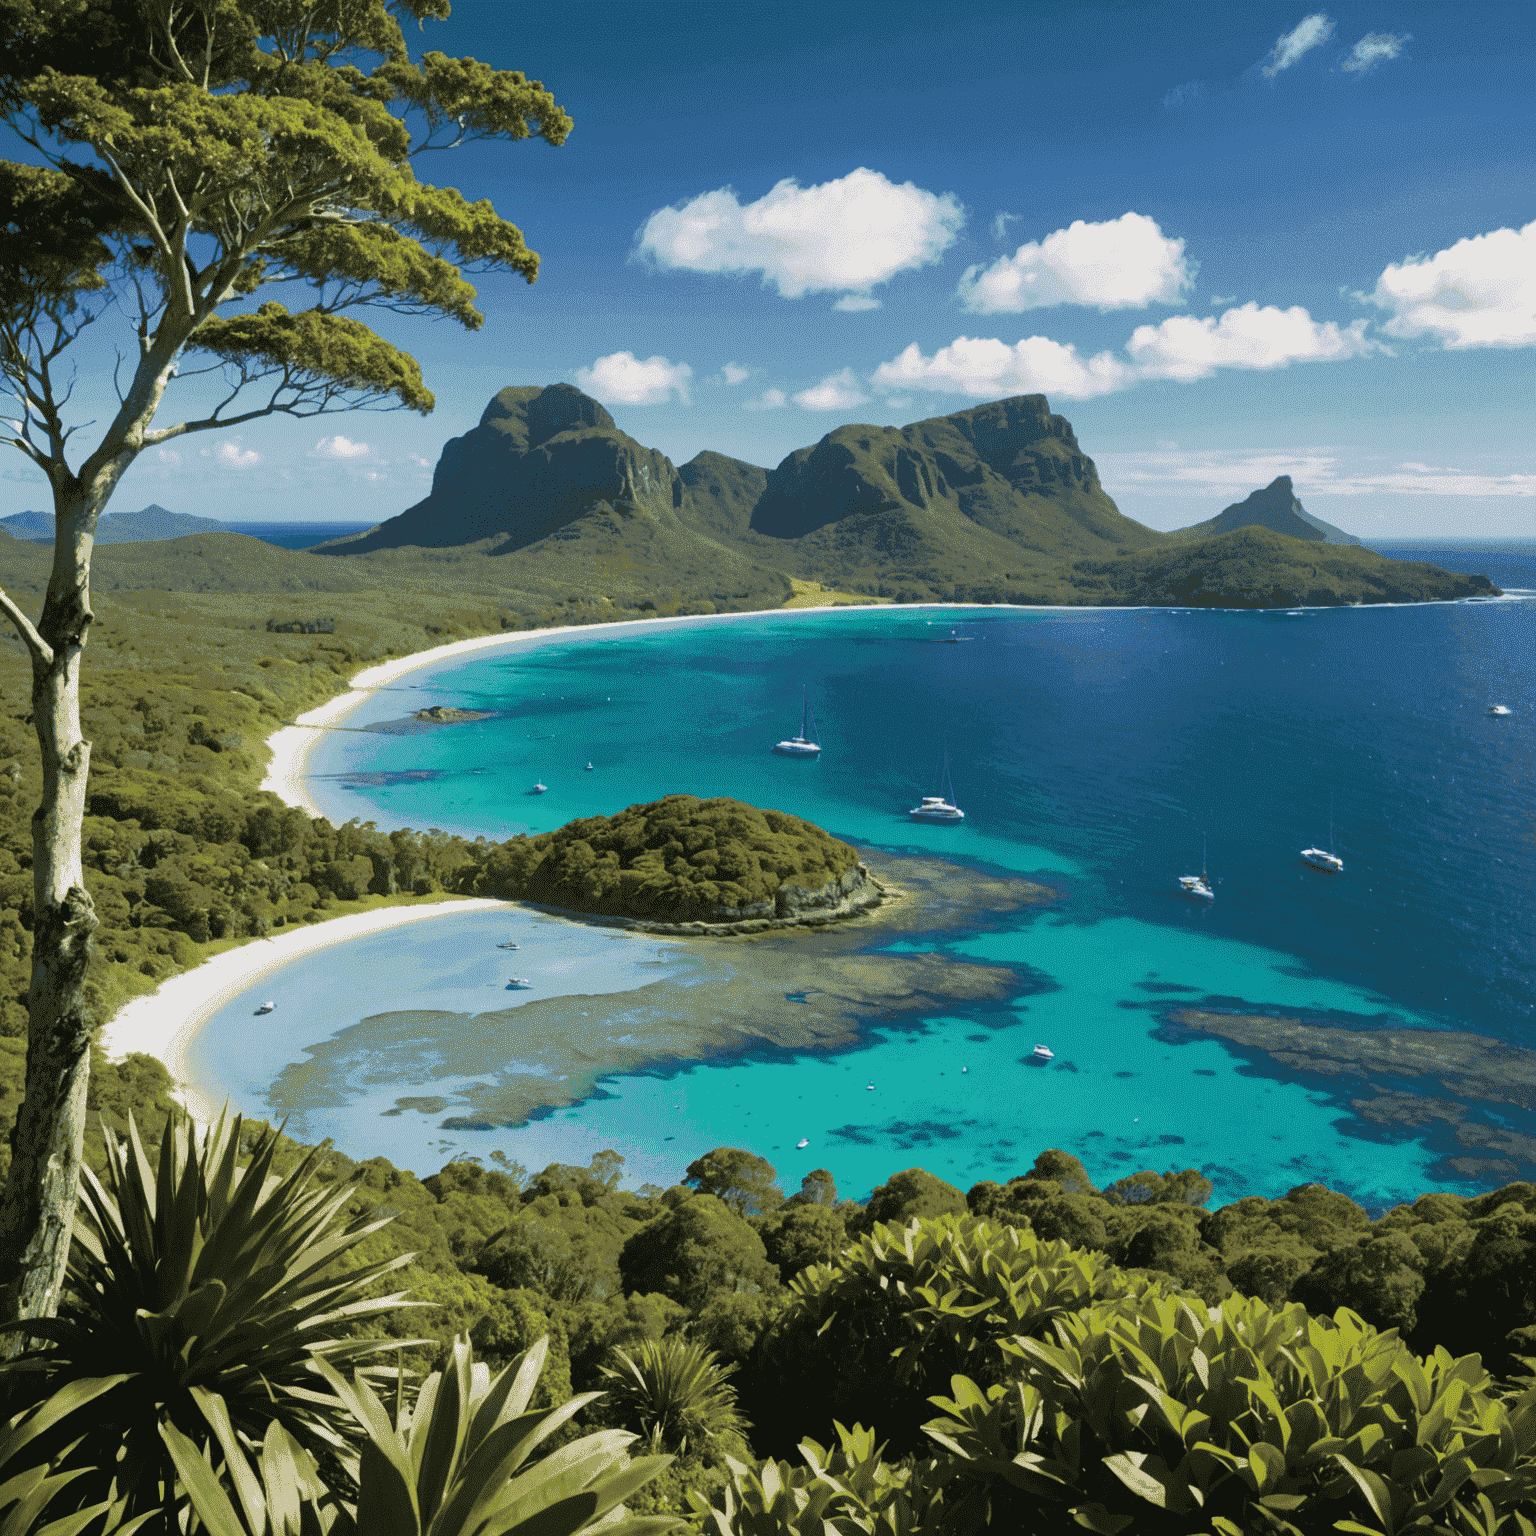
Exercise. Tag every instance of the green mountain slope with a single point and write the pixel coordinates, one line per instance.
(1259, 568)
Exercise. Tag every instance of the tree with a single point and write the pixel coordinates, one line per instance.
(182, 159)
(743, 1180)
(694, 1251)
(914, 1192)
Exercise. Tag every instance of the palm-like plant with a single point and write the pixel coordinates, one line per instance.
(459, 1461)
(193, 1272)
(674, 1393)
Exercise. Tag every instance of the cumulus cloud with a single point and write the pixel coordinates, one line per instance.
(1373, 48)
(1181, 348)
(621, 378)
(979, 367)
(168, 456)
(236, 457)
(1185, 348)
(340, 447)
(769, 400)
(836, 392)
(736, 374)
(1125, 263)
(851, 303)
(1481, 292)
(1001, 222)
(849, 234)
(1302, 38)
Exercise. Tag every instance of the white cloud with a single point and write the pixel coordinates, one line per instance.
(340, 447)
(851, 303)
(1302, 38)
(622, 379)
(1316, 472)
(1481, 292)
(1373, 48)
(1125, 263)
(1183, 95)
(237, 457)
(1001, 222)
(736, 374)
(1037, 365)
(770, 400)
(846, 234)
(836, 392)
(168, 456)
(1185, 348)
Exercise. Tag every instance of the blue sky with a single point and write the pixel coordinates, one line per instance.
(1226, 241)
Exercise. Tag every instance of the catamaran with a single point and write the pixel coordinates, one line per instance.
(805, 744)
(939, 807)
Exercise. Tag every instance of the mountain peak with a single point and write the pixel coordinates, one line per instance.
(1275, 507)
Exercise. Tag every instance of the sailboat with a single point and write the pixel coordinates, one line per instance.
(805, 744)
(1325, 858)
(1198, 886)
(939, 807)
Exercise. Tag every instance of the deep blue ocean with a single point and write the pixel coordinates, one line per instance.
(1096, 751)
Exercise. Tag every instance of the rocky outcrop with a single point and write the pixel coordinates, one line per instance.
(539, 460)
(1277, 508)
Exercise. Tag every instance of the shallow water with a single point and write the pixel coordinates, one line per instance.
(1091, 749)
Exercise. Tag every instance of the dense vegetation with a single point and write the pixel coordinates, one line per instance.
(678, 859)
(1259, 568)
(1040, 1353)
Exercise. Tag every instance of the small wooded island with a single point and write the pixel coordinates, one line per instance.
(681, 859)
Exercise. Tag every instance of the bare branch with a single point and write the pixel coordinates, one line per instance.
(41, 651)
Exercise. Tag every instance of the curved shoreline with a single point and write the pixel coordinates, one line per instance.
(291, 745)
(164, 1023)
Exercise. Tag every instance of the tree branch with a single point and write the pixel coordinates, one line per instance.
(42, 652)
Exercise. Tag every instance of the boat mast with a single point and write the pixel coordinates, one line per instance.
(805, 707)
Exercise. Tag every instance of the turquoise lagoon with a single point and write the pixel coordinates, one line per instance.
(1093, 751)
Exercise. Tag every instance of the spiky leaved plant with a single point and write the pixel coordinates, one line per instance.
(460, 1461)
(195, 1272)
(674, 1393)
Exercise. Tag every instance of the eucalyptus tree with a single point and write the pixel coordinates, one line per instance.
(184, 166)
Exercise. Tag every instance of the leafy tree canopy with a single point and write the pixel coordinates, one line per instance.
(743, 1180)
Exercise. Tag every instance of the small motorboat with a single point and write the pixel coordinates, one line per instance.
(519, 984)
(869, 1087)
(802, 1144)
(509, 945)
(1042, 1053)
(539, 789)
(266, 1008)
(1501, 709)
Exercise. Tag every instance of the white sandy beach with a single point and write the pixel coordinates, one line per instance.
(291, 746)
(162, 1024)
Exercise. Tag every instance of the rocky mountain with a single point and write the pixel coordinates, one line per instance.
(153, 522)
(997, 503)
(994, 494)
(1275, 507)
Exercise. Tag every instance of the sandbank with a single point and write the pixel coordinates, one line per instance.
(168, 1019)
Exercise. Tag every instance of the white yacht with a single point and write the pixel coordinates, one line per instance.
(1500, 709)
(1198, 886)
(1325, 858)
(802, 1144)
(519, 984)
(939, 807)
(539, 789)
(266, 1008)
(805, 744)
(1042, 1053)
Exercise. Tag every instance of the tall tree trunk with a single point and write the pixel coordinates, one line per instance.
(37, 1213)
